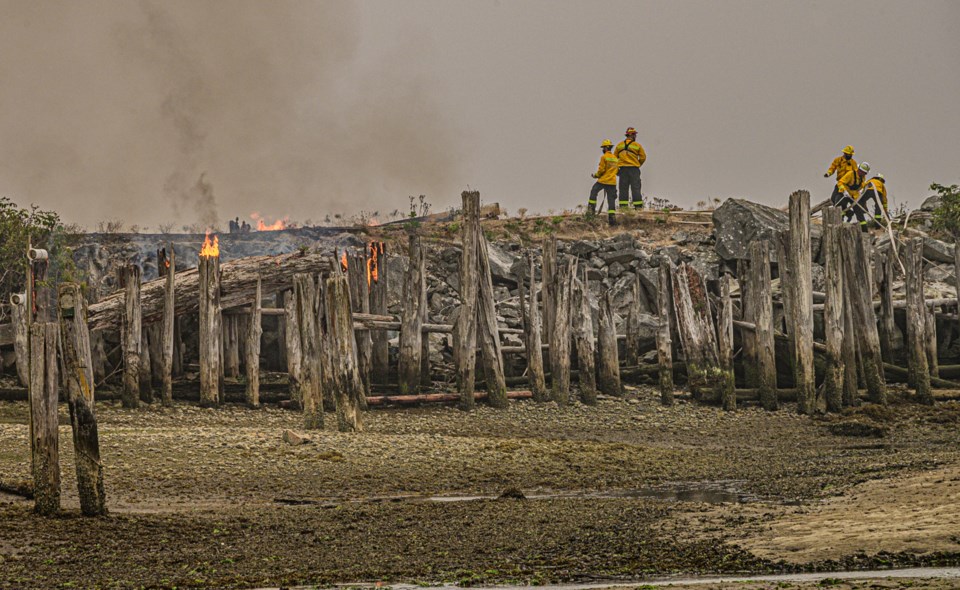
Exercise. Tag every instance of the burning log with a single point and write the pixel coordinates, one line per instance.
(380, 355)
(238, 280)
(360, 276)
(209, 302)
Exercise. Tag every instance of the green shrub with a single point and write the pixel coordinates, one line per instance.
(946, 217)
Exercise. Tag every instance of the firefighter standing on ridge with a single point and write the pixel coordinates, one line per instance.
(606, 176)
(631, 157)
(842, 163)
(876, 189)
(846, 195)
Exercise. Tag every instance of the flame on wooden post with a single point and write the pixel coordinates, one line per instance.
(373, 268)
(210, 249)
(343, 261)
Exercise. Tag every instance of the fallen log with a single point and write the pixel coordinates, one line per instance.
(238, 285)
(382, 400)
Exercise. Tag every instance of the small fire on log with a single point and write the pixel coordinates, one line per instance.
(373, 269)
(210, 249)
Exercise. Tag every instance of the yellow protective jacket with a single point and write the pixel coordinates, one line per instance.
(630, 154)
(607, 170)
(840, 165)
(880, 187)
(850, 183)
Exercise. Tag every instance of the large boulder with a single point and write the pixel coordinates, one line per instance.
(937, 251)
(739, 222)
(931, 203)
(501, 265)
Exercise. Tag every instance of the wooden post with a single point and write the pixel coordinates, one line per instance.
(146, 365)
(762, 298)
(488, 333)
(414, 310)
(292, 346)
(560, 343)
(231, 346)
(305, 294)
(531, 337)
(280, 302)
(632, 344)
(466, 333)
(582, 318)
(833, 309)
(664, 340)
(361, 276)
(695, 326)
(930, 340)
(169, 320)
(748, 339)
(891, 340)
(848, 347)
(855, 280)
(607, 344)
(956, 272)
(348, 385)
(380, 356)
(809, 401)
(787, 296)
(75, 340)
(916, 323)
(131, 335)
(21, 337)
(44, 441)
(549, 272)
(211, 373)
(253, 349)
(425, 381)
(725, 380)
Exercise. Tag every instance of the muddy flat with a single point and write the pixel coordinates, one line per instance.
(625, 490)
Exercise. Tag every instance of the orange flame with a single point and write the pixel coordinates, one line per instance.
(372, 222)
(373, 266)
(210, 249)
(276, 225)
(343, 261)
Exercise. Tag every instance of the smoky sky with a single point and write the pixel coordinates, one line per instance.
(200, 111)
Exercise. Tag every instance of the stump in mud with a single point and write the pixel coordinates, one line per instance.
(348, 385)
(305, 297)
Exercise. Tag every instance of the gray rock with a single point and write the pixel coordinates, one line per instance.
(738, 222)
(942, 273)
(292, 438)
(624, 256)
(615, 270)
(937, 251)
(583, 249)
(931, 203)
(501, 264)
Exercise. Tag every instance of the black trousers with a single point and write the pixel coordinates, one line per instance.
(871, 195)
(630, 187)
(610, 191)
(850, 207)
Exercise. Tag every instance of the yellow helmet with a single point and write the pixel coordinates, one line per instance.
(631, 131)
(606, 143)
(848, 150)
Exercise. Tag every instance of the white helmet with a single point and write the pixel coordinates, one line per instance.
(864, 167)
(880, 177)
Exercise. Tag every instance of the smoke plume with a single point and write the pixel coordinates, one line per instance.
(115, 109)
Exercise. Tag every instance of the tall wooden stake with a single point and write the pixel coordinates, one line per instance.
(856, 282)
(210, 328)
(380, 356)
(305, 294)
(132, 338)
(833, 309)
(466, 332)
(75, 340)
(169, 320)
(930, 340)
(762, 298)
(252, 349)
(607, 344)
(632, 344)
(532, 339)
(21, 337)
(44, 442)
(664, 339)
(582, 318)
(348, 385)
(916, 324)
(360, 277)
(488, 333)
(414, 310)
(725, 381)
(891, 340)
(292, 342)
(560, 344)
(809, 401)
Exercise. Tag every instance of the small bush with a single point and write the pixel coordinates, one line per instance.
(946, 217)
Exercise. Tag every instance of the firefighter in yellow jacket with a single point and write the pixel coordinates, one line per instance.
(842, 163)
(847, 194)
(631, 157)
(875, 189)
(606, 176)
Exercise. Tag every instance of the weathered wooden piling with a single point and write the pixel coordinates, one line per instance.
(291, 343)
(414, 312)
(210, 328)
(532, 339)
(787, 296)
(549, 271)
(488, 334)
(146, 364)
(849, 349)
(696, 328)
(167, 330)
(466, 332)
(930, 339)
(231, 346)
(759, 286)
(360, 278)
(560, 344)
(856, 283)
(75, 343)
(345, 374)
(609, 370)
(809, 400)
(131, 336)
(725, 382)
(664, 339)
(748, 338)
(44, 441)
(252, 348)
(833, 310)
(21, 337)
(582, 319)
(891, 340)
(632, 343)
(380, 355)
(916, 323)
(305, 295)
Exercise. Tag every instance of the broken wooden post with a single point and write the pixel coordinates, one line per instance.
(664, 340)
(168, 332)
(930, 340)
(762, 298)
(414, 310)
(891, 340)
(488, 334)
(305, 295)
(582, 319)
(21, 336)
(695, 326)
(609, 372)
(44, 440)
(360, 277)
(848, 347)
(131, 338)
(425, 381)
(787, 296)
(916, 324)
(833, 309)
(75, 343)
(725, 383)
(855, 281)
(809, 400)
(211, 372)
(748, 338)
(146, 364)
(348, 385)
(560, 343)
(632, 343)
(466, 333)
(532, 340)
(292, 346)
(549, 271)
(231, 346)
(380, 355)
(252, 348)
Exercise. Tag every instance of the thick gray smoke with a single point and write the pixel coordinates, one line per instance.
(136, 110)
